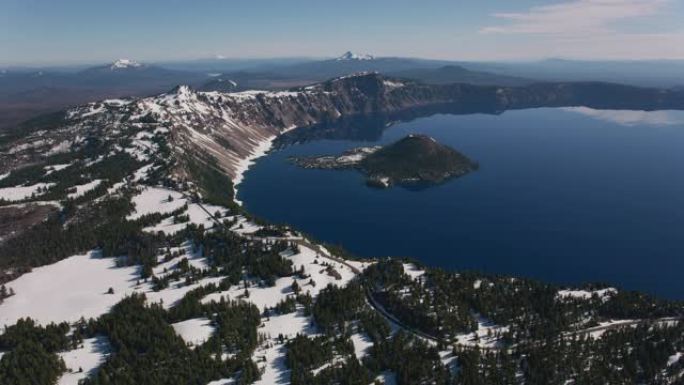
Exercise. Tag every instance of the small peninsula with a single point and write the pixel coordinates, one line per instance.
(414, 159)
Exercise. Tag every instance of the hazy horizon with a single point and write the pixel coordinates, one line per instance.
(294, 58)
(47, 33)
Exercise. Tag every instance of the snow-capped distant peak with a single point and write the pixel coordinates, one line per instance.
(353, 56)
(125, 63)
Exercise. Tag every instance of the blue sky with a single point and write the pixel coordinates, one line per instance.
(77, 31)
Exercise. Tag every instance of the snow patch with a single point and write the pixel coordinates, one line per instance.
(54, 168)
(84, 361)
(194, 331)
(170, 296)
(586, 294)
(270, 356)
(156, 200)
(18, 193)
(264, 297)
(485, 336)
(389, 84)
(197, 215)
(224, 381)
(84, 188)
(387, 378)
(362, 343)
(413, 271)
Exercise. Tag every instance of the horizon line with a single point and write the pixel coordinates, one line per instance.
(218, 58)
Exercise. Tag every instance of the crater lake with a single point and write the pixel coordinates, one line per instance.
(565, 195)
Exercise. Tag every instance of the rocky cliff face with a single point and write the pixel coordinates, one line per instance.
(227, 129)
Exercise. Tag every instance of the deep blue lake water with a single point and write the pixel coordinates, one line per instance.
(567, 196)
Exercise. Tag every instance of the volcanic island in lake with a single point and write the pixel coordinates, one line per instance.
(414, 159)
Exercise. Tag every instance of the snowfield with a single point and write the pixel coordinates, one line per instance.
(22, 192)
(264, 297)
(84, 188)
(176, 291)
(142, 172)
(84, 361)
(115, 187)
(362, 343)
(55, 167)
(77, 287)
(156, 200)
(586, 294)
(271, 354)
(197, 215)
(194, 331)
(485, 336)
(186, 251)
(225, 381)
(244, 227)
(598, 331)
(387, 378)
(68, 290)
(413, 271)
(289, 325)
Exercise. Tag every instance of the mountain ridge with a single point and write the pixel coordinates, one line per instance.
(232, 128)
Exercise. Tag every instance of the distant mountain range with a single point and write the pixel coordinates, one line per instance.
(458, 74)
(26, 92)
(645, 73)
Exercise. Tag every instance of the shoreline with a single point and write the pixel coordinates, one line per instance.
(261, 149)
